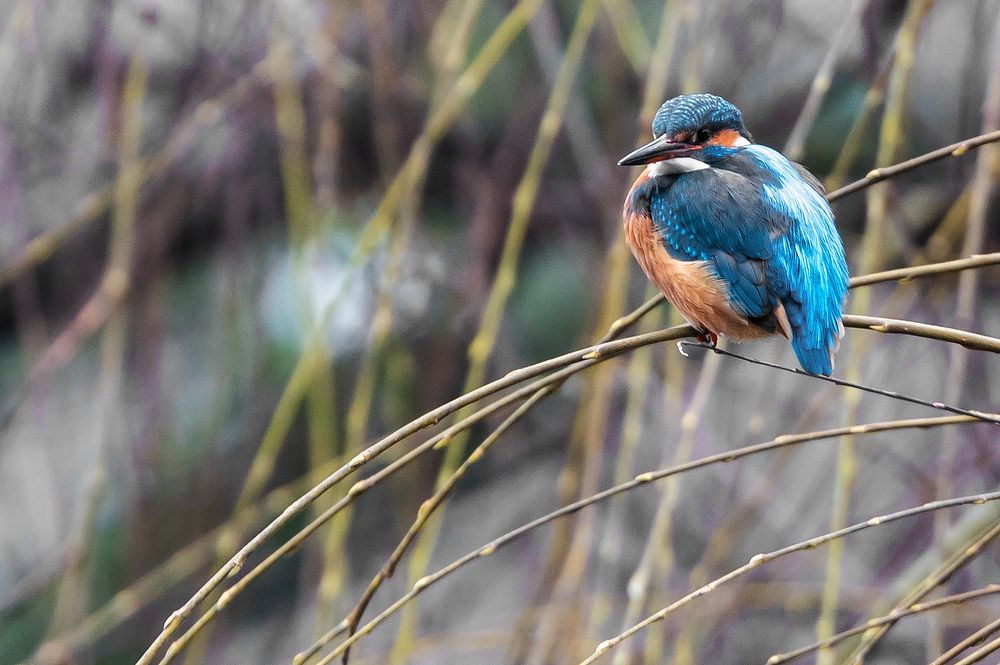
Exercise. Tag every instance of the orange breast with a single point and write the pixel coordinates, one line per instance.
(690, 286)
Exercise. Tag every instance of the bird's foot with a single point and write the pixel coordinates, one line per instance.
(709, 338)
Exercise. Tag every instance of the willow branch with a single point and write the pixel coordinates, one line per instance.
(641, 479)
(906, 274)
(590, 355)
(926, 330)
(884, 173)
(890, 618)
(978, 415)
(760, 559)
(362, 486)
(980, 653)
(963, 554)
(423, 514)
(970, 641)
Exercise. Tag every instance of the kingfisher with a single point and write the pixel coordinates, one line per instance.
(738, 238)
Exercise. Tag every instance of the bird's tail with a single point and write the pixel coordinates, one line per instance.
(815, 351)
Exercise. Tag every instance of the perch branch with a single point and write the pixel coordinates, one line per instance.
(591, 355)
(641, 479)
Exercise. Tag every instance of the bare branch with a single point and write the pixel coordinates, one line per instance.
(972, 640)
(641, 479)
(962, 555)
(760, 559)
(890, 618)
(978, 415)
(884, 173)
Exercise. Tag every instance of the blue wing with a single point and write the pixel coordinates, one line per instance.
(769, 235)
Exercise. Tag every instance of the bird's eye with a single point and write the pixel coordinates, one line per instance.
(702, 135)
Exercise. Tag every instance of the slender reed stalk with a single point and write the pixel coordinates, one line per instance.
(872, 248)
(481, 346)
(576, 361)
(965, 299)
(796, 143)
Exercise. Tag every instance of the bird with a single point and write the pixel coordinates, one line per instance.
(740, 239)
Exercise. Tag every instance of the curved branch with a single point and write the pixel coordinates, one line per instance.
(972, 640)
(599, 352)
(892, 617)
(641, 479)
(590, 355)
(760, 559)
(963, 553)
(361, 487)
(906, 274)
(884, 173)
(980, 653)
(964, 338)
(426, 509)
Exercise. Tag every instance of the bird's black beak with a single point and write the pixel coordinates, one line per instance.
(657, 150)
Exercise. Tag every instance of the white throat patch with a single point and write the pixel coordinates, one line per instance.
(675, 166)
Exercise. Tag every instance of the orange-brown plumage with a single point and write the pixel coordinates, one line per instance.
(690, 286)
(726, 137)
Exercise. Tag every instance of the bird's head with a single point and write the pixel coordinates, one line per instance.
(698, 127)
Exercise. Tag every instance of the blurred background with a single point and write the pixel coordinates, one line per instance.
(241, 241)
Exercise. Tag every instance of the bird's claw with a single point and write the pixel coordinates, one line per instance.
(705, 339)
(709, 338)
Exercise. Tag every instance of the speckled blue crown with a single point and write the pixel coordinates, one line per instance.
(691, 112)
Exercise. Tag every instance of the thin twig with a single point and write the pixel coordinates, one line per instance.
(892, 617)
(884, 173)
(590, 355)
(962, 555)
(643, 478)
(760, 559)
(980, 653)
(985, 417)
(972, 640)
(913, 272)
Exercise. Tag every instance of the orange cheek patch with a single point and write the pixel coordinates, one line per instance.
(726, 137)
